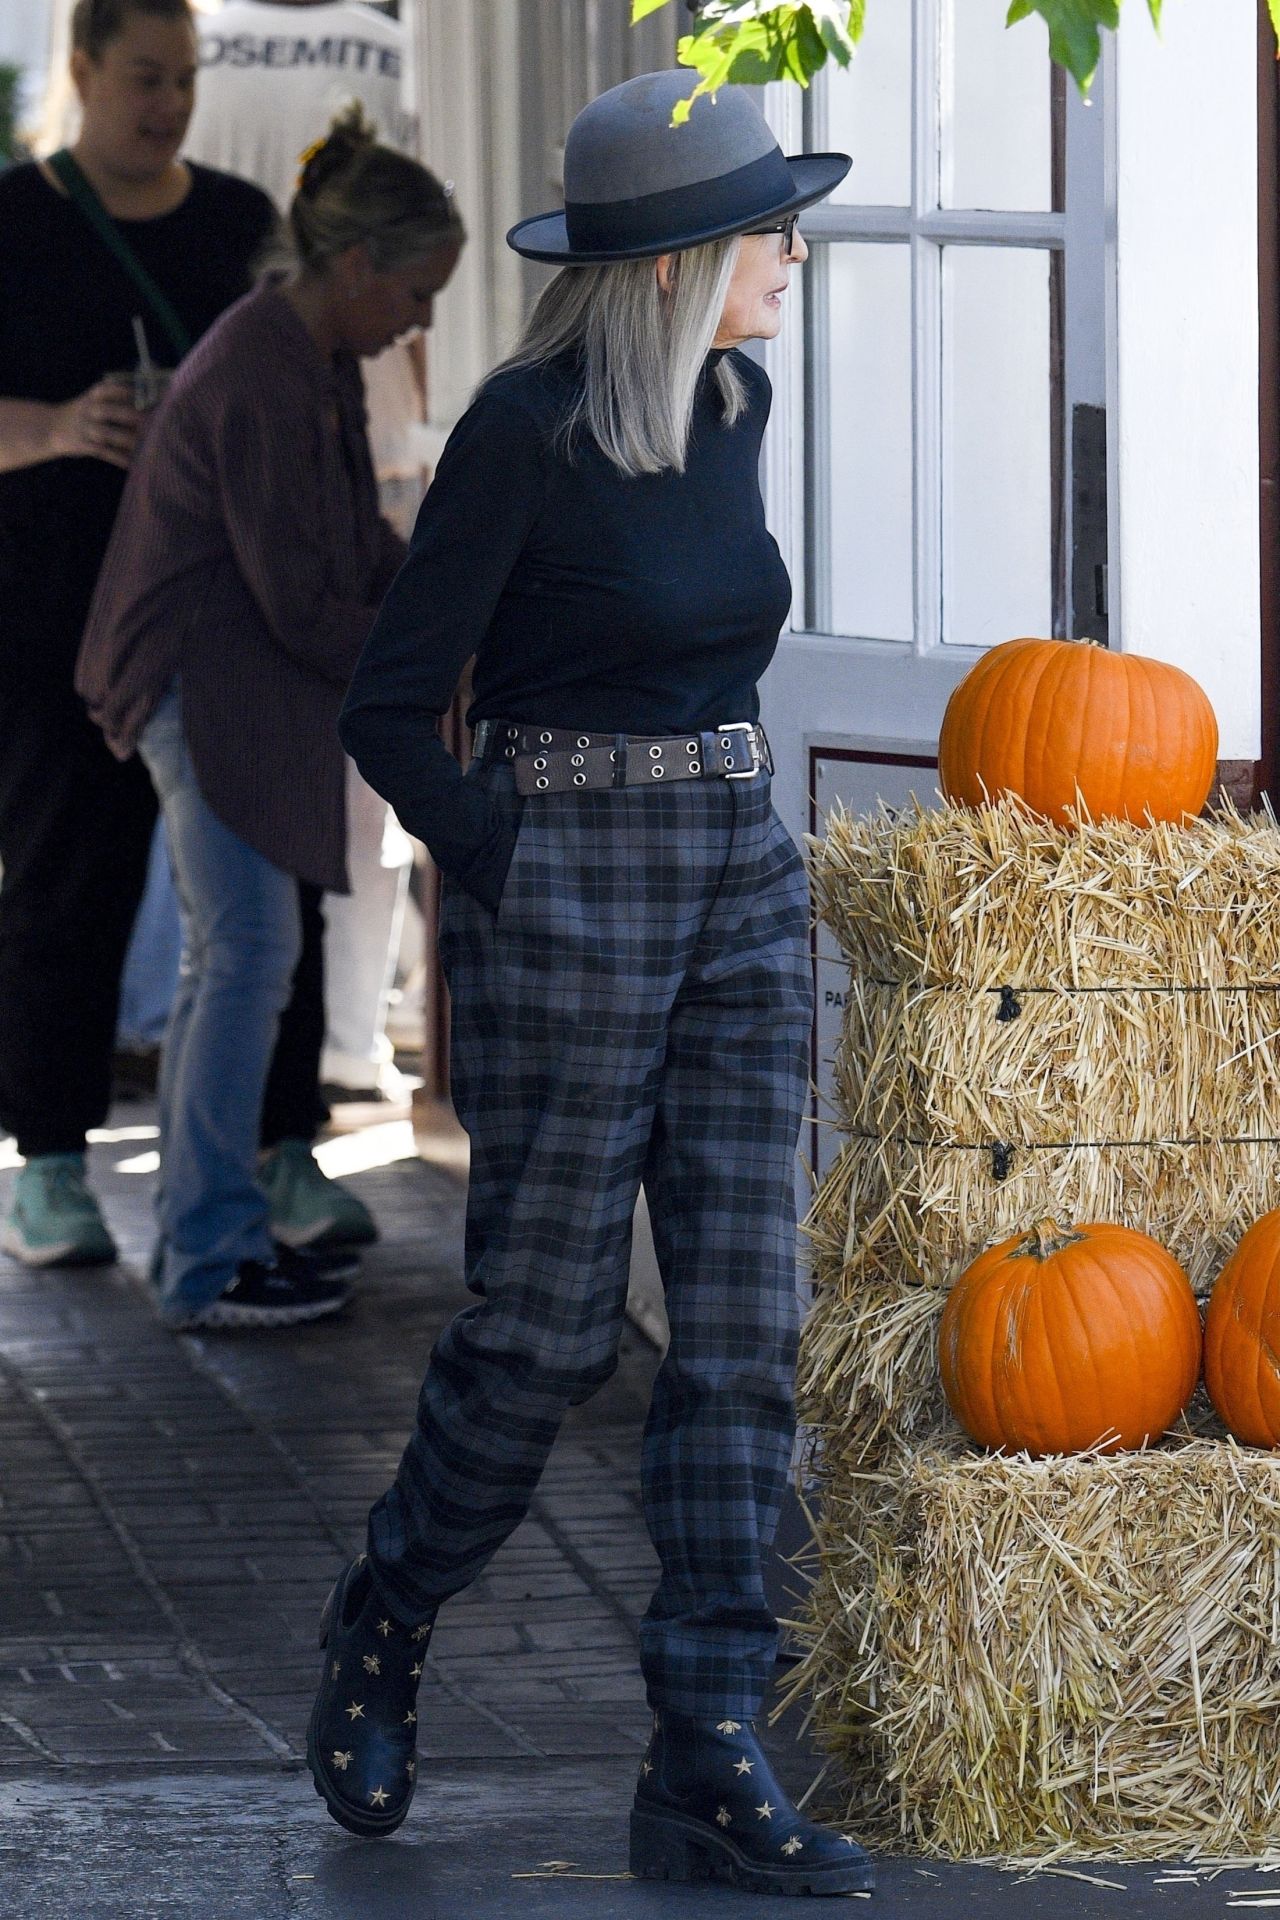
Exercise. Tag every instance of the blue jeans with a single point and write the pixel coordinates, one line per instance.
(154, 956)
(241, 938)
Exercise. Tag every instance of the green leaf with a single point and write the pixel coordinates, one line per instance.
(839, 24)
(748, 44)
(759, 40)
(1074, 31)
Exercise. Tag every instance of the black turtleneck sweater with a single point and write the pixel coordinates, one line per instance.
(649, 605)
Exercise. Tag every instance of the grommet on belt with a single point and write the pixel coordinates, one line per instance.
(545, 739)
(540, 763)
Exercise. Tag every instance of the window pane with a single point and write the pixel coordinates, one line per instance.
(997, 118)
(867, 110)
(997, 494)
(867, 387)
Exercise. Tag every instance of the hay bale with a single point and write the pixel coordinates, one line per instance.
(984, 897)
(1056, 1657)
(1067, 1656)
(891, 1208)
(1078, 1022)
(1043, 1066)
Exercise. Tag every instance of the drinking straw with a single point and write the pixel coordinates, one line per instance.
(144, 353)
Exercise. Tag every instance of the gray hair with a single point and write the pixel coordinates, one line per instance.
(642, 348)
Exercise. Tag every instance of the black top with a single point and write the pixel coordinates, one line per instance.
(646, 605)
(66, 311)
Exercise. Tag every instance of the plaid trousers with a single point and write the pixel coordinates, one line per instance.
(638, 1010)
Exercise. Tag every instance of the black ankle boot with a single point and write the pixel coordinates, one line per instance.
(708, 1807)
(362, 1740)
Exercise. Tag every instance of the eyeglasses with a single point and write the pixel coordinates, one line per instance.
(786, 229)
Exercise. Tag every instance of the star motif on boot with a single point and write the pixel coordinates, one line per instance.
(411, 1718)
(729, 1726)
(342, 1761)
(723, 1817)
(372, 1664)
(793, 1845)
(646, 1768)
(384, 1628)
(415, 1673)
(420, 1633)
(411, 1767)
(744, 1765)
(379, 1797)
(765, 1811)
(356, 1710)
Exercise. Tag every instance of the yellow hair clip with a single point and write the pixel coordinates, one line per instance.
(307, 155)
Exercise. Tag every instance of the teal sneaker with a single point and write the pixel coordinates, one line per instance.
(54, 1220)
(308, 1209)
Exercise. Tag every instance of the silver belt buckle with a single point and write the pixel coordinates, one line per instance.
(747, 729)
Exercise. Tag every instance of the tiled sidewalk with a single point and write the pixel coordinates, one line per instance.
(172, 1511)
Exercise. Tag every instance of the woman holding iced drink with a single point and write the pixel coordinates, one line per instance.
(117, 256)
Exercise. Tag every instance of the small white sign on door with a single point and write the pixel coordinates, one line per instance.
(862, 778)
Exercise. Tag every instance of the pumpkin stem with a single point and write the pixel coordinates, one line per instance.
(1047, 1238)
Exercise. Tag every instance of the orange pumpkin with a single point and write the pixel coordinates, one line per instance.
(1043, 718)
(1064, 1339)
(1242, 1337)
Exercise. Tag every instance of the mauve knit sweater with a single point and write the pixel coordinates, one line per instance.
(248, 561)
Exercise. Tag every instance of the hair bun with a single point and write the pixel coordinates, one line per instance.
(350, 133)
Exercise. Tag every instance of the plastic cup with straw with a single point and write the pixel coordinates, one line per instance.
(149, 380)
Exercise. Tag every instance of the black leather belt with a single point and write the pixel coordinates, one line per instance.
(560, 760)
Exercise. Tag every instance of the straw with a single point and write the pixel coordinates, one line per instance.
(1054, 1659)
(140, 341)
(1006, 1657)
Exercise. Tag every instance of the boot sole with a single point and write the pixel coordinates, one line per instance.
(67, 1255)
(368, 1826)
(668, 1847)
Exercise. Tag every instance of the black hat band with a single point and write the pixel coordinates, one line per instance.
(611, 226)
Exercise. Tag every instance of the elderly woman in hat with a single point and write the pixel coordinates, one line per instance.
(624, 933)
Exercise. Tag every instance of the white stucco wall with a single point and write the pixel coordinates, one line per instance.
(1184, 353)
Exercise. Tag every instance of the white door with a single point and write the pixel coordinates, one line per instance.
(947, 350)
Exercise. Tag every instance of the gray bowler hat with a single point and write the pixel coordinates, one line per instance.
(634, 185)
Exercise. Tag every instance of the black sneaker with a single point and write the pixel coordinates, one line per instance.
(317, 1263)
(267, 1296)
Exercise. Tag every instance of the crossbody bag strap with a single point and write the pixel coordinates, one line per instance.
(87, 203)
